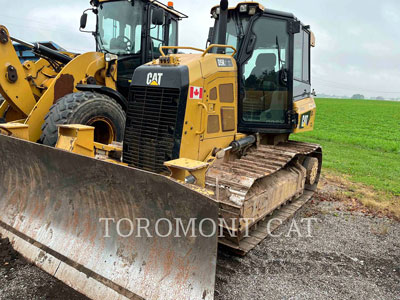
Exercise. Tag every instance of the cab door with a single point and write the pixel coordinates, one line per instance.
(265, 92)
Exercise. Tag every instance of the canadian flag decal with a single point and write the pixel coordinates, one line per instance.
(196, 92)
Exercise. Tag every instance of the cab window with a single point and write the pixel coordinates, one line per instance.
(120, 27)
(301, 65)
(173, 33)
(156, 38)
(265, 74)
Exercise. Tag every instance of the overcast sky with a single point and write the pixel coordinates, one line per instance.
(358, 41)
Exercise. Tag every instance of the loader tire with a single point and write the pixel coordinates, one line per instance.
(86, 108)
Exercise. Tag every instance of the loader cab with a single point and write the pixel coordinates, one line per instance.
(273, 66)
(134, 30)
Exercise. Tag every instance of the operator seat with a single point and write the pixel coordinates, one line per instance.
(265, 65)
(118, 43)
(273, 99)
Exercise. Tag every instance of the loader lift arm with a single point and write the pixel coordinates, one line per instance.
(37, 94)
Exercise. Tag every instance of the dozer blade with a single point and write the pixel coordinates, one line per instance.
(52, 203)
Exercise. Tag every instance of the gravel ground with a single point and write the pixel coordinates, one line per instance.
(21, 280)
(349, 256)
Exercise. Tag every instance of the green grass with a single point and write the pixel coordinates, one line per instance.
(360, 138)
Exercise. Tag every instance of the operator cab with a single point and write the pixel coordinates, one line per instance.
(274, 65)
(134, 30)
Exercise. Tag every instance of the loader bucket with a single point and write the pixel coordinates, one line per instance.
(53, 208)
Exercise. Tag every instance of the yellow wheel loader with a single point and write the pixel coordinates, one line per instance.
(206, 159)
(91, 88)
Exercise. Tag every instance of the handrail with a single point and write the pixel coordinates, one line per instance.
(219, 46)
(197, 49)
(178, 47)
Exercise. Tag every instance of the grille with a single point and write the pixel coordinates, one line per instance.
(151, 127)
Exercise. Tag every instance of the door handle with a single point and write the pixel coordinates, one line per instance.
(203, 121)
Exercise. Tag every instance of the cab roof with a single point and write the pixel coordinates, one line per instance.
(259, 6)
(167, 8)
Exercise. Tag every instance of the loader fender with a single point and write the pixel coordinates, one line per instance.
(117, 96)
(79, 68)
(51, 204)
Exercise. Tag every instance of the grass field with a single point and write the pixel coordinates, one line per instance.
(360, 138)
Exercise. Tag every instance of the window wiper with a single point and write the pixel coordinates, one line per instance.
(241, 29)
(279, 53)
(282, 69)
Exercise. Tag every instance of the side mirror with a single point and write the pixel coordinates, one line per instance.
(158, 16)
(84, 20)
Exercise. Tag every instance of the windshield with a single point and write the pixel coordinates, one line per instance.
(120, 27)
(236, 30)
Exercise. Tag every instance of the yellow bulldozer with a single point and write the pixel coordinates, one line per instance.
(90, 88)
(206, 159)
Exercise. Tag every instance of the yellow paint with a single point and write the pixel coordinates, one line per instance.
(204, 72)
(41, 74)
(17, 130)
(18, 94)
(80, 68)
(32, 95)
(77, 139)
(306, 109)
(107, 148)
(183, 167)
(212, 46)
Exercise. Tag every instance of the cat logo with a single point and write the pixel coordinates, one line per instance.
(305, 120)
(154, 78)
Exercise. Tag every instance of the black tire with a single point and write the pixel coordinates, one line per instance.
(86, 108)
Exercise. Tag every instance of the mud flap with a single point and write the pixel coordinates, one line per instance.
(53, 208)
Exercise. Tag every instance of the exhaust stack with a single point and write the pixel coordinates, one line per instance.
(223, 24)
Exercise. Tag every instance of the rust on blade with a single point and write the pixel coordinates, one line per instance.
(52, 202)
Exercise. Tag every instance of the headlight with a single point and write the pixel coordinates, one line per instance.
(214, 14)
(243, 8)
(110, 57)
(252, 10)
